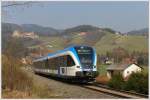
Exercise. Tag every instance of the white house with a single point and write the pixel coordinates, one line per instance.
(16, 34)
(19, 34)
(124, 69)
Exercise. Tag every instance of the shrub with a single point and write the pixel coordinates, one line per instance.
(116, 82)
(137, 82)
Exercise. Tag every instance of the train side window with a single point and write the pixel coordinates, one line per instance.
(39, 64)
(46, 63)
(35, 64)
(52, 63)
(49, 63)
(42, 64)
(63, 61)
(70, 61)
(52, 60)
(57, 62)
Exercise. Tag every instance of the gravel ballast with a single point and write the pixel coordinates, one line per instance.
(66, 90)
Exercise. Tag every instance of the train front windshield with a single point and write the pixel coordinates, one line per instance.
(85, 55)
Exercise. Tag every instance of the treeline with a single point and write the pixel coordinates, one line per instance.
(120, 54)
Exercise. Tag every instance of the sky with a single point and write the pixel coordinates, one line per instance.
(121, 16)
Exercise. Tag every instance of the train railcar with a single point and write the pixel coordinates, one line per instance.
(75, 62)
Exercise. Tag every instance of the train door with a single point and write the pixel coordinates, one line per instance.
(70, 66)
(63, 71)
(63, 66)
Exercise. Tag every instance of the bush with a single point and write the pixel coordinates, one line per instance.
(116, 82)
(137, 82)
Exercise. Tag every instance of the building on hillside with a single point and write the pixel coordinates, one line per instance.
(118, 33)
(124, 69)
(19, 34)
(82, 33)
(108, 61)
(16, 34)
(30, 35)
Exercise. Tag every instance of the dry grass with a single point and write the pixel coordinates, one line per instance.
(131, 43)
(13, 77)
(44, 92)
(17, 84)
(7, 93)
(103, 79)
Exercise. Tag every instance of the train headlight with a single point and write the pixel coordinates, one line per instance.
(78, 66)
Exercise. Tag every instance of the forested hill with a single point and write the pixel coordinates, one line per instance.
(143, 32)
(103, 39)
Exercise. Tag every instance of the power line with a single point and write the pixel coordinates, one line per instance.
(17, 4)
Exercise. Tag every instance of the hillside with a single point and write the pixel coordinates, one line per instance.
(8, 28)
(106, 43)
(84, 34)
(130, 43)
(40, 30)
(80, 28)
(103, 39)
(143, 32)
(86, 38)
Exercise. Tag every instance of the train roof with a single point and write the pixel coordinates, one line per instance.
(70, 48)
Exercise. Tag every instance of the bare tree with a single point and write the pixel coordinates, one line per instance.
(6, 5)
(16, 3)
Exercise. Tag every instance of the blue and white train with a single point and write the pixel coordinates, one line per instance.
(75, 62)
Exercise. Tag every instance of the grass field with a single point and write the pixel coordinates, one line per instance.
(130, 43)
(57, 43)
(106, 43)
(77, 40)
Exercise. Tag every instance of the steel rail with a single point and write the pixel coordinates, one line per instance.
(118, 93)
(129, 92)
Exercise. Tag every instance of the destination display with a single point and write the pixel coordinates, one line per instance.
(85, 55)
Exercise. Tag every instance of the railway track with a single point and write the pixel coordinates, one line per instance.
(118, 93)
(105, 89)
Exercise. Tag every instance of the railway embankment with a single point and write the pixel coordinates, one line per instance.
(59, 89)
